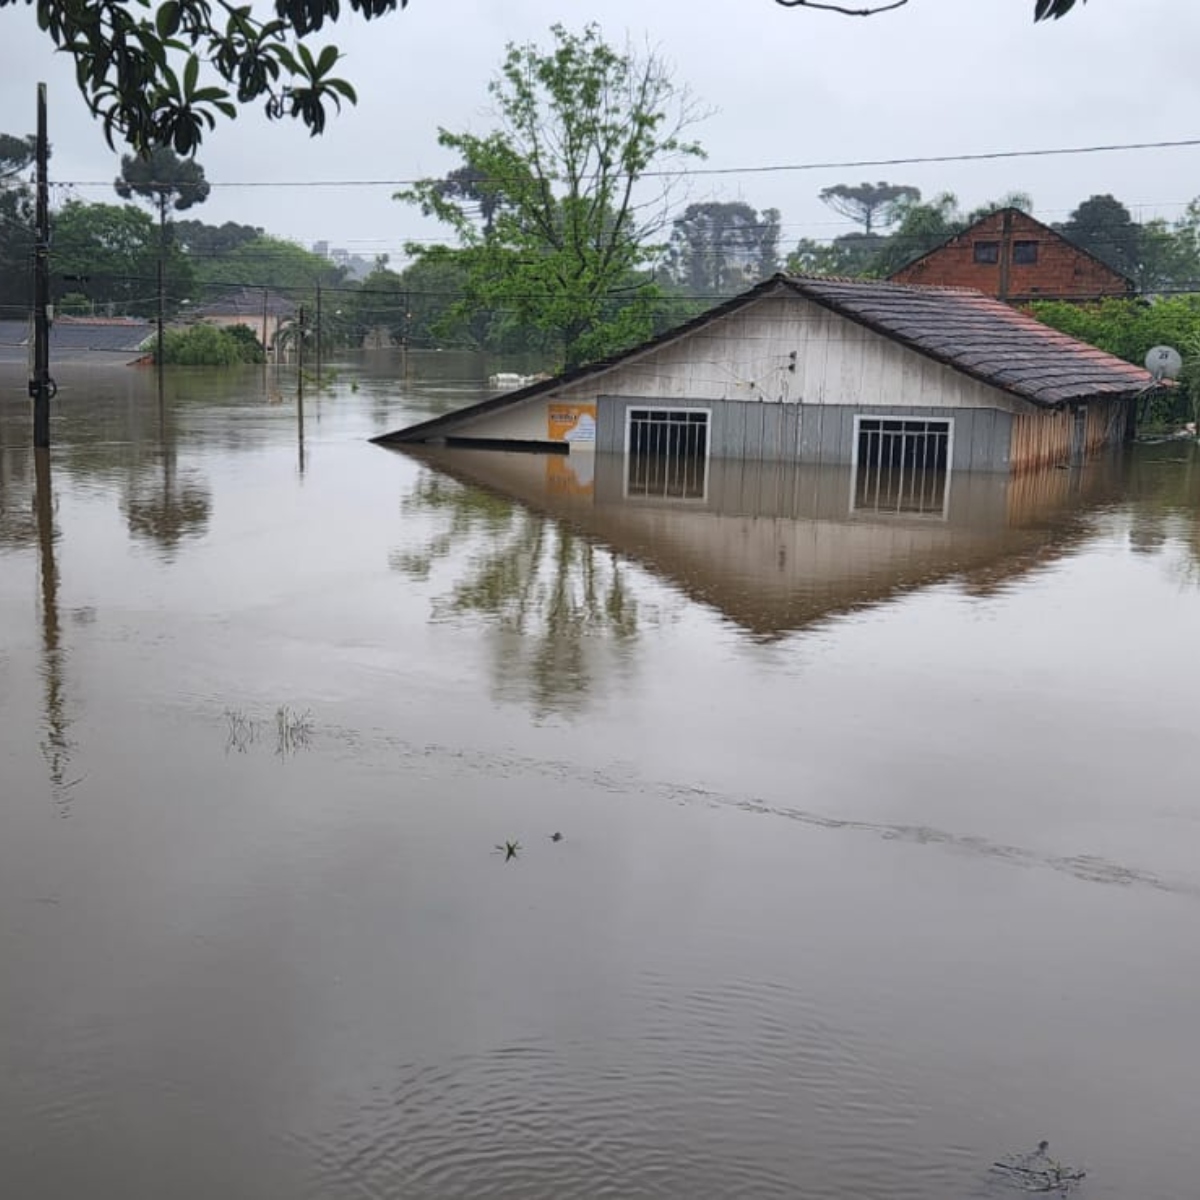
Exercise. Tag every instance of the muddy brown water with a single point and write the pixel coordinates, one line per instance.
(880, 829)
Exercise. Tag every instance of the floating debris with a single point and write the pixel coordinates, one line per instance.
(556, 836)
(1038, 1172)
(509, 849)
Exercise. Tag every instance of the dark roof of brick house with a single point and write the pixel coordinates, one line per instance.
(961, 328)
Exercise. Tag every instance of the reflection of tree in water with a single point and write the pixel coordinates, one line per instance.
(555, 597)
(164, 507)
(17, 525)
(1165, 505)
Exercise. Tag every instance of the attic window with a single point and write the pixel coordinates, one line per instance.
(987, 252)
(1025, 254)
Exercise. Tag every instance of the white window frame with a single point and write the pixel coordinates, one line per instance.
(901, 416)
(650, 406)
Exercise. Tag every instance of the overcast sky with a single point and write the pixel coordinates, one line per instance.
(787, 86)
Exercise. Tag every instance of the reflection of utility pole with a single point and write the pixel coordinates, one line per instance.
(56, 746)
(300, 385)
(41, 386)
(162, 251)
(406, 317)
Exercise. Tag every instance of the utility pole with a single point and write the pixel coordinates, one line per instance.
(318, 333)
(162, 251)
(41, 386)
(300, 354)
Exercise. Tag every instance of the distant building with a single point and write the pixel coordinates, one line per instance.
(259, 309)
(1010, 255)
(355, 266)
(889, 378)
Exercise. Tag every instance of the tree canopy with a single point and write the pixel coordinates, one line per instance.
(573, 220)
(162, 74)
(111, 253)
(1103, 226)
(162, 178)
(870, 204)
(16, 153)
(719, 247)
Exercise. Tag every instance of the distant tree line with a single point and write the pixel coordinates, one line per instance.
(565, 237)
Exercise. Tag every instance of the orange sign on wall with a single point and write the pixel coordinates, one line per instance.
(571, 423)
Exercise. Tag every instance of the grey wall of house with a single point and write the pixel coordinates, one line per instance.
(812, 433)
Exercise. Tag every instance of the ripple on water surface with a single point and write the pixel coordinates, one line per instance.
(732, 1091)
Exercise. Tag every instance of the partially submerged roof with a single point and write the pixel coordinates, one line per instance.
(78, 338)
(961, 328)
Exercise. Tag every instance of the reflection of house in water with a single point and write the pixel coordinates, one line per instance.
(776, 547)
(891, 377)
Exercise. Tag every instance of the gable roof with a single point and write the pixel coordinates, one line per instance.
(958, 327)
(1026, 219)
(247, 302)
(982, 337)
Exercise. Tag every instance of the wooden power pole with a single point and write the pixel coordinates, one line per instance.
(41, 386)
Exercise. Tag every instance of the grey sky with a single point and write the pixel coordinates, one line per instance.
(788, 86)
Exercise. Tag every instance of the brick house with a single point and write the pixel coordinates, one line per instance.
(1010, 255)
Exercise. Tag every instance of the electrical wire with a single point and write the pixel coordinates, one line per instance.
(685, 172)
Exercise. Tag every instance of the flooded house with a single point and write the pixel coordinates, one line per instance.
(260, 310)
(891, 379)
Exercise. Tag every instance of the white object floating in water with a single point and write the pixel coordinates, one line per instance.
(507, 380)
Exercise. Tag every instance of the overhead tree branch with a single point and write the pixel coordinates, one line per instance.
(837, 8)
(1043, 10)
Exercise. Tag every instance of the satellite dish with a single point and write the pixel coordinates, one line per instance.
(1163, 362)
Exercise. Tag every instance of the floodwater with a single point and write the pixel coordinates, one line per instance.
(879, 855)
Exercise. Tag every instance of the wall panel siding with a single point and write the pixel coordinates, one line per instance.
(822, 434)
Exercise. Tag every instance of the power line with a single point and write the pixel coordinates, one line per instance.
(842, 165)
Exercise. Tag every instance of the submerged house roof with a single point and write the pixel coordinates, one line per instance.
(247, 302)
(963, 329)
(78, 339)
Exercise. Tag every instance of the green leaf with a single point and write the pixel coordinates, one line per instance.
(166, 20)
(328, 60)
(191, 75)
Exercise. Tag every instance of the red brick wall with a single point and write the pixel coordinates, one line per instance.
(1062, 272)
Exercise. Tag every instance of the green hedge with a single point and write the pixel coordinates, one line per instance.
(211, 346)
(1128, 329)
